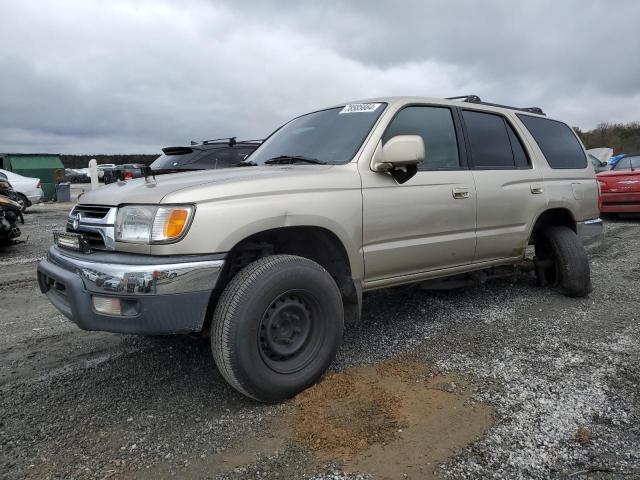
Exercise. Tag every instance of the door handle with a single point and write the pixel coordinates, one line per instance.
(537, 188)
(460, 192)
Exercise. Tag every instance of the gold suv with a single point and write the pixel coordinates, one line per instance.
(272, 257)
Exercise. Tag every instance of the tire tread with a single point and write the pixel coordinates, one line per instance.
(228, 304)
(573, 263)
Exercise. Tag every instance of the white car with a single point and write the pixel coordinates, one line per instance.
(28, 188)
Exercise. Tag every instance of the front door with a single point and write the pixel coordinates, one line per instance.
(429, 222)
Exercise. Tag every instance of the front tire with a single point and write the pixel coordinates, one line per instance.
(277, 327)
(569, 270)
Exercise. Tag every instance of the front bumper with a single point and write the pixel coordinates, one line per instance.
(159, 295)
(591, 232)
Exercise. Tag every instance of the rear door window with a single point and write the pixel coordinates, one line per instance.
(557, 142)
(491, 141)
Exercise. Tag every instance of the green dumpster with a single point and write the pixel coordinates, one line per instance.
(45, 166)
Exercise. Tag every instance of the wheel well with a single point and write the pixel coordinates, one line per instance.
(551, 218)
(315, 243)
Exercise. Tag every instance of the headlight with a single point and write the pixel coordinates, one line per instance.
(151, 223)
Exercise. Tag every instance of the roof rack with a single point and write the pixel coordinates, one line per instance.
(230, 140)
(477, 99)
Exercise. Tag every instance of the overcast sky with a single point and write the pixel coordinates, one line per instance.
(133, 76)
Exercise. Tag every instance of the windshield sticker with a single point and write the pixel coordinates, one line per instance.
(360, 108)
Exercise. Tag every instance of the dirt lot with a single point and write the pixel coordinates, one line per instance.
(507, 380)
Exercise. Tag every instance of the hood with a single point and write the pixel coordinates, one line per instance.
(204, 185)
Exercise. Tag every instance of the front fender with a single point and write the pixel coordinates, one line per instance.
(219, 225)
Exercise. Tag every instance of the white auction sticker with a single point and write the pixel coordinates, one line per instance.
(360, 108)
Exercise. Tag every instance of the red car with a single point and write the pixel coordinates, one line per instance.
(620, 186)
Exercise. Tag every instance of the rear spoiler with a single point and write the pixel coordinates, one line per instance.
(177, 150)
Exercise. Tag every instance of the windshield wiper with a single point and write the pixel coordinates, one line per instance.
(246, 163)
(293, 159)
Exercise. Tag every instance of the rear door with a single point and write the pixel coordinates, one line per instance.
(427, 223)
(510, 189)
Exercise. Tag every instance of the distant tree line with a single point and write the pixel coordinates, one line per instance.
(82, 161)
(623, 137)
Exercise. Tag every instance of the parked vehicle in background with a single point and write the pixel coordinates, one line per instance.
(10, 214)
(126, 171)
(603, 154)
(620, 186)
(75, 175)
(209, 155)
(614, 159)
(7, 190)
(598, 165)
(273, 259)
(104, 167)
(29, 189)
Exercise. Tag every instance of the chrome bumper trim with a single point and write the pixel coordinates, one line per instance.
(136, 280)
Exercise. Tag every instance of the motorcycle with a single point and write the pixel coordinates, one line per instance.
(10, 214)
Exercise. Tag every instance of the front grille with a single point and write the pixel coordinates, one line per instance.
(95, 222)
(95, 240)
(91, 211)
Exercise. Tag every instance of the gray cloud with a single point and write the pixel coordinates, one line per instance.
(125, 76)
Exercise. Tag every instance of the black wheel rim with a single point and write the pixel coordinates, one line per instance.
(289, 336)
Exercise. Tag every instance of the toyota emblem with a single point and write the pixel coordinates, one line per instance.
(75, 221)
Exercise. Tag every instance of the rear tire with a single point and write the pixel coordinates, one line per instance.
(276, 327)
(570, 271)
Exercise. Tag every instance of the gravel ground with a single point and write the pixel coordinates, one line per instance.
(562, 376)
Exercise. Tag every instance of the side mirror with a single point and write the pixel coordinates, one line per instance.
(399, 156)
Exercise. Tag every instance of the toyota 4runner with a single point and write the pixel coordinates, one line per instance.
(272, 260)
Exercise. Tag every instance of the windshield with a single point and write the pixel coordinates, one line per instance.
(328, 136)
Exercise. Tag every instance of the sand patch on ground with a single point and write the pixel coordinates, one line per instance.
(391, 420)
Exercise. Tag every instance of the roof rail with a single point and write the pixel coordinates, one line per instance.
(466, 98)
(476, 99)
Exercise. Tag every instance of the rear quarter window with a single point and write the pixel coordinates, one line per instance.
(557, 142)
